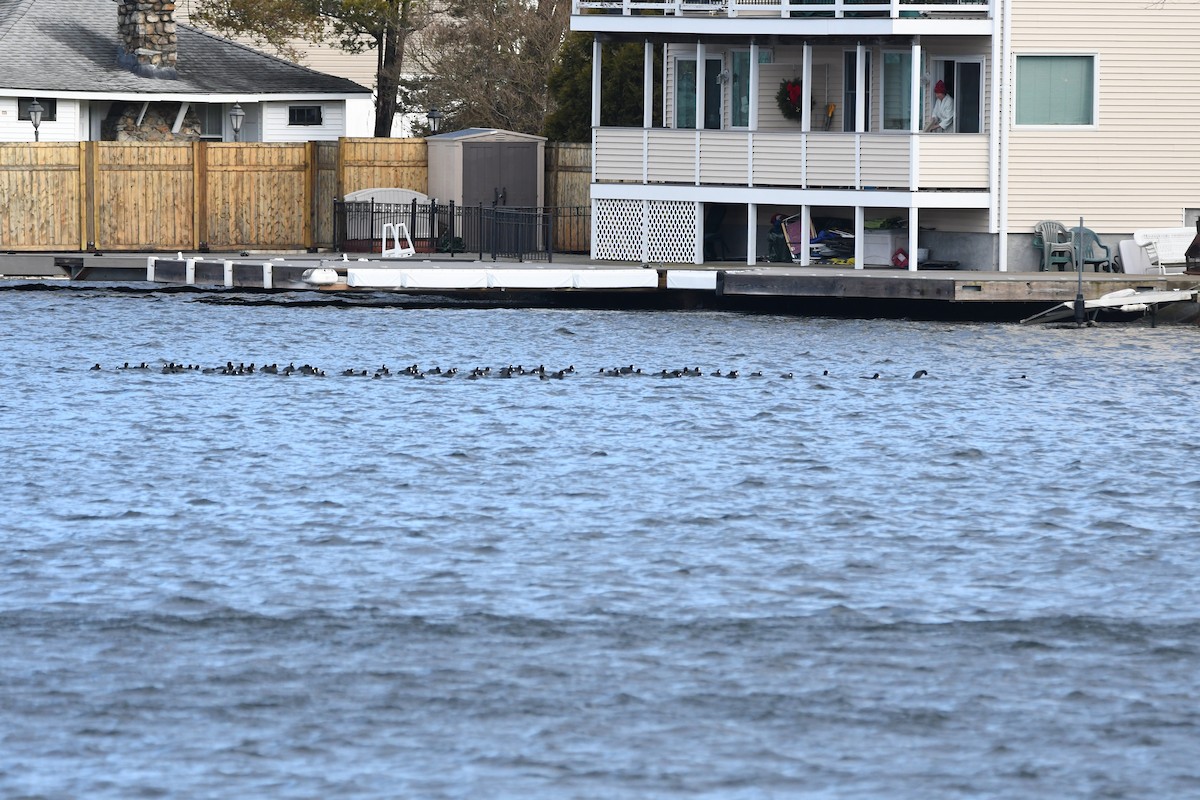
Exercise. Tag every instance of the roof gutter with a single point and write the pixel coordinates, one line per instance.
(185, 97)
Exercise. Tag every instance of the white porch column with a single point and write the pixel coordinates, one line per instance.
(913, 232)
(753, 88)
(699, 254)
(751, 233)
(806, 72)
(595, 83)
(700, 59)
(918, 119)
(860, 239)
(648, 86)
(860, 88)
(595, 124)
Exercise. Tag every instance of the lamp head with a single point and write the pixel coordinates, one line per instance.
(435, 118)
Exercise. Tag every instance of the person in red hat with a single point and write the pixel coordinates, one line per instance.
(943, 111)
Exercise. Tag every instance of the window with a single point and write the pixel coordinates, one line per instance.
(849, 92)
(685, 93)
(964, 82)
(739, 99)
(1056, 90)
(304, 115)
(897, 91)
(212, 121)
(49, 108)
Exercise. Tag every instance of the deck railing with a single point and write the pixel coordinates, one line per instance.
(835, 9)
(900, 161)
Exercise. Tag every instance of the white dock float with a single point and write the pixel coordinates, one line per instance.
(367, 274)
(531, 278)
(616, 278)
(449, 278)
(375, 278)
(704, 279)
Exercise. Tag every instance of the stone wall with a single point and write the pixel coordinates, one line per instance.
(149, 45)
(121, 124)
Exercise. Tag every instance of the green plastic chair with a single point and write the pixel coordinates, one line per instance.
(1095, 254)
(1058, 252)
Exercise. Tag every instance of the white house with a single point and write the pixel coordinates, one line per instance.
(125, 70)
(1064, 109)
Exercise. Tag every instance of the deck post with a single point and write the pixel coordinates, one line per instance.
(751, 233)
(806, 226)
(913, 231)
(860, 242)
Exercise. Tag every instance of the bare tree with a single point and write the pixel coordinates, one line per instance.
(385, 26)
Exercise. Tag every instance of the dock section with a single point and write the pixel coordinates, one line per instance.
(815, 290)
(952, 293)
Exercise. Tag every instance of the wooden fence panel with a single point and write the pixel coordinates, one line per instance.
(257, 196)
(167, 196)
(325, 190)
(568, 174)
(384, 163)
(144, 196)
(568, 185)
(41, 187)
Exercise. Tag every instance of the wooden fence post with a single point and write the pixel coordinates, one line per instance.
(200, 195)
(310, 196)
(341, 168)
(93, 202)
(85, 196)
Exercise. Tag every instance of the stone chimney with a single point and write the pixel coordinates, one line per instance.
(148, 41)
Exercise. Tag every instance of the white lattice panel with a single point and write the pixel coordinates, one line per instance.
(672, 227)
(618, 229)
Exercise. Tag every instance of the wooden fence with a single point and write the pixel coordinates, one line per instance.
(166, 196)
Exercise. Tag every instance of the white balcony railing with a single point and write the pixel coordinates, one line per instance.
(836, 9)
(818, 160)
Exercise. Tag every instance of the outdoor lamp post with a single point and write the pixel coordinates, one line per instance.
(435, 119)
(35, 116)
(236, 115)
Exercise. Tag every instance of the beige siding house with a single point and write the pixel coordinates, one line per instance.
(1064, 109)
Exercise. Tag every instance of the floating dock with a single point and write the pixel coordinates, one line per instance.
(816, 290)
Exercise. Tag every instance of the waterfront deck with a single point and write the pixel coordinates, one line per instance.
(821, 290)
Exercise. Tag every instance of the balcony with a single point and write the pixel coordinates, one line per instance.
(797, 9)
(818, 160)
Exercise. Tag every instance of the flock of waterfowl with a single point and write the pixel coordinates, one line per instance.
(540, 372)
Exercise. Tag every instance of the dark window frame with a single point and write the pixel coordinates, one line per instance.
(49, 106)
(306, 115)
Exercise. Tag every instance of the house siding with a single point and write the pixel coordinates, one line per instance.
(1140, 166)
(275, 126)
(66, 128)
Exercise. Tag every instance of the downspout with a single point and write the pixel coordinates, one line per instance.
(1001, 71)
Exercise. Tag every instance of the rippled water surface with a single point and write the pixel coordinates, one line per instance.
(980, 583)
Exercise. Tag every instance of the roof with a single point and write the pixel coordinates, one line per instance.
(484, 133)
(71, 46)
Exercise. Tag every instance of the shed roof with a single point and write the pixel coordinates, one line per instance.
(484, 133)
(71, 46)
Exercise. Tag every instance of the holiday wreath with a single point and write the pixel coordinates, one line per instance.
(790, 93)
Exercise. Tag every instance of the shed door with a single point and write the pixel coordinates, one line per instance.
(500, 171)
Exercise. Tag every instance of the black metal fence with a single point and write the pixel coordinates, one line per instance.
(495, 231)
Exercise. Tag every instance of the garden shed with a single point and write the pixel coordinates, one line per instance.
(487, 165)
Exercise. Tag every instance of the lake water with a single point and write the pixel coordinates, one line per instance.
(980, 583)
